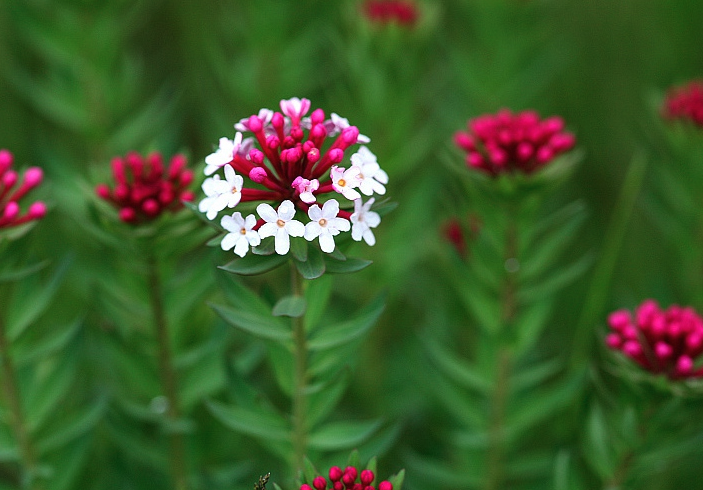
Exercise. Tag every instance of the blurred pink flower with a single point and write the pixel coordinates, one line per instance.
(685, 103)
(661, 341)
(144, 187)
(507, 142)
(347, 480)
(387, 11)
(13, 189)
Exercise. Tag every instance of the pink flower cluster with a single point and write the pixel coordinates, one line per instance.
(13, 189)
(661, 341)
(145, 187)
(387, 11)
(507, 142)
(347, 480)
(685, 103)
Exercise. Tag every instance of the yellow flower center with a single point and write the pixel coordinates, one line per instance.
(281, 223)
(341, 182)
(322, 222)
(243, 231)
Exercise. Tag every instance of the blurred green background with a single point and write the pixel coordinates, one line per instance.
(82, 81)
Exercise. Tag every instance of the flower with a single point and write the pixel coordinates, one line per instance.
(507, 142)
(325, 224)
(144, 187)
(280, 224)
(241, 233)
(293, 163)
(387, 11)
(363, 219)
(347, 479)
(661, 341)
(11, 193)
(371, 176)
(224, 154)
(220, 193)
(685, 103)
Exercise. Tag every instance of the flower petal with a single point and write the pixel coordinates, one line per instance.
(282, 241)
(229, 240)
(286, 210)
(326, 242)
(295, 228)
(267, 212)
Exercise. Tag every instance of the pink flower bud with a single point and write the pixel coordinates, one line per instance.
(663, 350)
(613, 340)
(319, 483)
(257, 174)
(684, 365)
(335, 472)
(366, 477)
(6, 160)
(128, 215)
(37, 210)
(336, 155)
(9, 179)
(385, 485)
(255, 124)
(33, 177)
(103, 191)
(277, 121)
(257, 156)
(151, 207)
(619, 319)
(12, 209)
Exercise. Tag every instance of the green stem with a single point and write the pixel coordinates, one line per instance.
(11, 393)
(168, 376)
(300, 402)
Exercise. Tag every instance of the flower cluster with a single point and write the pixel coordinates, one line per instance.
(387, 11)
(507, 142)
(347, 480)
(13, 189)
(663, 342)
(685, 103)
(285, 163)
(145, 187)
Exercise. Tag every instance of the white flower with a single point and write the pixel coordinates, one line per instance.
(295, 108)
(325, 224)
(224, 154)
(363, 219)
(344, 181)
(337, 123)
(241, 233)
(306, 188)
(264, 114)
(280, 224)
(221, 194)
(371, 176)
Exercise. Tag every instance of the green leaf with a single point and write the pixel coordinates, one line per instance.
(530, 323)
(346, 266)
(556, 281)
(309, 470)
(314, 266)
(455, 368)
(74, 426)
(345, 332)
(317, 294)
(258, 423)
(56, 339)
(42, 397)
(261, 326)
(266, 247)
(323, 402)
(299, 249)
(397, 480)
(16, 275)
(342, 435)
(252, 265)
(292, 306)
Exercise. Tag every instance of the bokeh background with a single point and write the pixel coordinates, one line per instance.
(82, 81)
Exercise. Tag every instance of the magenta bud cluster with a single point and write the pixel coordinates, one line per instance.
(685, 103)
(388, 11)
(13, 188)
(664, 342)
(506, 142)
(144, 187)
(348, 479)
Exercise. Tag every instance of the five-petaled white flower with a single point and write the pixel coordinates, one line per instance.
(344, 181)
(224, 154)
(220, 193)
(241, 233)
(306, 188)
(363, 219)
(325, 224)
(280, 224)
(371, 176)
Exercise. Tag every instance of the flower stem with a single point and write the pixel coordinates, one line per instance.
(300, 402)
(11, 393)
(168, 376)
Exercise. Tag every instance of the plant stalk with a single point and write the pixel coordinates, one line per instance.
(169, 380)
(300, 401)
(11, 393)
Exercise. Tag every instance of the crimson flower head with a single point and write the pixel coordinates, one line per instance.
(348, 479)
(12, 191)
(296, 164)
(661, 341)
(386, 11)
(145, 187)
(685, 103)
(506, 142)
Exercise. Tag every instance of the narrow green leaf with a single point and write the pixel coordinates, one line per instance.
(353, 459)
(531, 322)
(73, 458)
(269, 328)
(453, 367)
(346, 266)
(266, 247)
(292, 306)
(56, 339)
(252, 265)
(557, 280)
(299, 249)
(309, 471)
(42, 397)
(16, 275)
(314, 266)
(345, 332)
(317, 294)
(531, 377)
(397, 480)
(258, 422)
(75, 425)
(323, 402)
